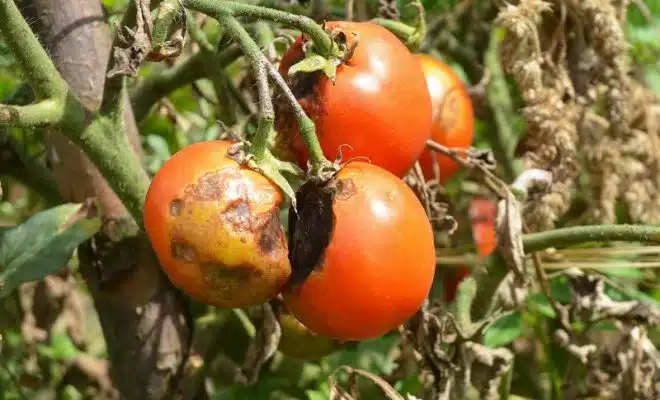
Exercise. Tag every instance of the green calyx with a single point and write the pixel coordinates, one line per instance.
(327, 64)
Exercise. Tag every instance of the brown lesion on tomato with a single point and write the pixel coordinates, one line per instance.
(345, 189)
(272, 235)
(183, 251)
(212, 185)
(176, 206)
(238, 214)
(226, 279)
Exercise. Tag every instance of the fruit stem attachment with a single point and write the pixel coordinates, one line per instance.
(258, 64)
(307, 127)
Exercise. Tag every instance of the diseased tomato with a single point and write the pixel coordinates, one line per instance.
(215, 227)
(453, 115)
(362, 254)
(300, 342)
(482, 213)
(379, 104)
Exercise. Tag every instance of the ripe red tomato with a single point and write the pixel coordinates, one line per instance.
(379, 104)
(379, 264)
(482, 214)
(215, 227)
(453, 115)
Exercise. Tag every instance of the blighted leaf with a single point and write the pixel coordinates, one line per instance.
(509, 232)
(338, 393)
(44, 243)
(315, 63)
(264, 345)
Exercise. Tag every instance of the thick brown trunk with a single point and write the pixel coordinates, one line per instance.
(142, 316)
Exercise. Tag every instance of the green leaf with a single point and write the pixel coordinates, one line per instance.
(504, 331)
(314, 63)
(44, 243)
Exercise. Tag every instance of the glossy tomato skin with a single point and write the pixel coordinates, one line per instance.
(453, 115)
(379, 265)
(482, 213)
(215, 227)
(379, 104)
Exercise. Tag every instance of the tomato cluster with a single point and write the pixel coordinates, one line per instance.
(359, 259)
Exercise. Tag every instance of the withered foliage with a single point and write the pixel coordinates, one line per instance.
(570, 62)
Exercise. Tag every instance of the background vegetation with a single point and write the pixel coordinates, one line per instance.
(565, 86)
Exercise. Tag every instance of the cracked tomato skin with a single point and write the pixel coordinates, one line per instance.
(379, 265)
(453, 115)
(379, 104)
(215, 227)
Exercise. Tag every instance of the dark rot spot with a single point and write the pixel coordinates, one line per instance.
(210, 186)
(176, 206)
(184, 251)
(238, 214)
(310, 230)
(303, 83)
(271, 234)
(345, 189)
(220, 272)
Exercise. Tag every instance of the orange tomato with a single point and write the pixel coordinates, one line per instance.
(215, 227)
(378, 104)
(453, 115)
(379, 263)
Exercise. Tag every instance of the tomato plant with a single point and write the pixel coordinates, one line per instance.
(379, 104)
(482, 213)
(379, 261)
(453, 115)
(215, 227)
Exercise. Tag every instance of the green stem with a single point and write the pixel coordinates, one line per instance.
(167, 13)
(565, 237)
(156, 86)
(39, 69)
(109, 149)
(46, 112)
(216, 8)
(307, 127)
(488, 281)
(403, 31)
(503, 139)
(266, 111)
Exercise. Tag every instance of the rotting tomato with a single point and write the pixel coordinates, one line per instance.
(378, 104)
(453, 115)
(215, 227)
(362, 254)
(482, 213)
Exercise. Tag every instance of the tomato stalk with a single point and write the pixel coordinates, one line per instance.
(253, 53)
(412, 36)
(307, 127)
(322, 41)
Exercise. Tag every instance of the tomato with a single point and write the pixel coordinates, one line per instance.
(300, 342)
(482, 214)
(379, 104)
(215, 227)
(453, 115)
(379, 261)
